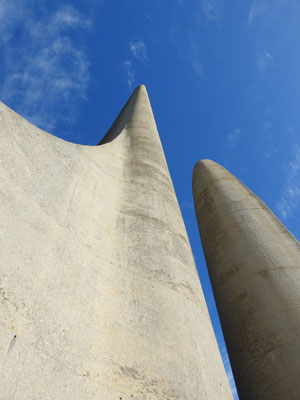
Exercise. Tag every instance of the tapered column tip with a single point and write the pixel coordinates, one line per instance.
(204, 165)
(208, 170)
(141, 87)
(140, 91)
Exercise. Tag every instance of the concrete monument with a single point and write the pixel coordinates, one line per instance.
(254, 266)
(100, 298)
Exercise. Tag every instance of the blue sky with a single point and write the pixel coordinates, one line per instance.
(223, 78)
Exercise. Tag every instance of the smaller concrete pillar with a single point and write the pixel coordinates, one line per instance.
(254, 267)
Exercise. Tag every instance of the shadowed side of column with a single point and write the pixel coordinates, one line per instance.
(254, 267)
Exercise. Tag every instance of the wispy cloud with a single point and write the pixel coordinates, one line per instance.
(233, 138)
(138, 50)
(230, 150)
(212, 9)
(195, 58)
(265, 60)
(138, 53)
(130, 73)
(10, 12)
(269, 13)
(47, 65)
(185, 34)
(289, 199)
(258, 7)
(69, 17)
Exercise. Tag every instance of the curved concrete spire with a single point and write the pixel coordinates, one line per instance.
(137, 105)
(254, 266)
(100, 297)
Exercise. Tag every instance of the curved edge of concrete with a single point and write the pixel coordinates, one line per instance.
(253, 263)
(112, 133)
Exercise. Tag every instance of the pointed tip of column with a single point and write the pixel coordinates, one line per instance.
(206, 163)
(206, 166)
(139, 95)
(137, 92)
(206, 171)
(140, 88)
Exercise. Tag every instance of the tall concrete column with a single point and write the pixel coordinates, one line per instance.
(254, 267)
(100, 298)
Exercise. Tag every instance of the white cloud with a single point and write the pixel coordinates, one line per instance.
(10, 12)
(289, 199)
(198, 67)
(138, 49)
(48, 70)
(233, 138)
(265, 60)
(130, 73)
(195, 58)
(258, 8)
(267, 13)
(212, 9)
(70, 17)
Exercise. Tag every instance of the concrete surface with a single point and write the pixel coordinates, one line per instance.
(100, 298)
(254, 266)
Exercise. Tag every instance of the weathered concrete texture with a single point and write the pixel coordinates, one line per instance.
(100, 298)
(254, 266)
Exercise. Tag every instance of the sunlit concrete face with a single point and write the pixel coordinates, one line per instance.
(100, 298)
(254, 266)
